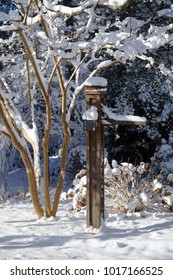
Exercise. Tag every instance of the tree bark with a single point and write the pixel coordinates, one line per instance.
(27, 161)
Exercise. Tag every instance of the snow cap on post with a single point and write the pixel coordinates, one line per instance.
(96, 85)
(96, 81)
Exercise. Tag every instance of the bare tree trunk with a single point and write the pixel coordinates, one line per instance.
(64, 124)
(66, 140)
(45, 145)
(66, 132)
(62, 168)
(32, 183)
(25, 156)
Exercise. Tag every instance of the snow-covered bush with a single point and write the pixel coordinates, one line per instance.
(78, 192)
(128, 188)
(133, 188)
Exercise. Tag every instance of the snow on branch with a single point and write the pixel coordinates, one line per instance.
(83, 7)
(121, 119)
(12, 127)
(159, 36)
(18, 126)
(115, 4)
(166, 12)
(9, 28)
(165, 71)
(68, 11)
(10, 17)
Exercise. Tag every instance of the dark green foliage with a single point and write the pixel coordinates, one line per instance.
(6, 6)
(140, 91)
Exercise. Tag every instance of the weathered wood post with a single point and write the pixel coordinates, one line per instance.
(94, 90)
(95, 118)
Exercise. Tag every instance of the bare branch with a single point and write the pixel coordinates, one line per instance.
(75, 71)
(27, 12)
(5, 134)
(38, 74)
(28, 79)
(52, 74)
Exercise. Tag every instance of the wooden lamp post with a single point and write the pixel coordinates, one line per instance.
(94, 126)
(95, 91)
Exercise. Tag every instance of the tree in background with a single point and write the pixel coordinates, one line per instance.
(142, 89)
(68, 53)
(7, 152)
(6, 6)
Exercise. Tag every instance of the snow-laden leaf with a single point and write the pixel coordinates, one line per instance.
(133, 47)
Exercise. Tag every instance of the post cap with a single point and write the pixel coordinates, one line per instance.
(96, 86)
(96, 82)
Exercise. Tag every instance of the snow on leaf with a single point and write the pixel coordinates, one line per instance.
(132, 24)
(134, 47)
(68, 11)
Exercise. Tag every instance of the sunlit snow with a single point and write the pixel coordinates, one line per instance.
(90, 114)
(22, 236)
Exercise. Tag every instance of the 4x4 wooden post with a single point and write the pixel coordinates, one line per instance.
(95, 148)
(94, 160)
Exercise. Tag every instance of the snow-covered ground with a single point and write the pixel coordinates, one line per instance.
(24, 237)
